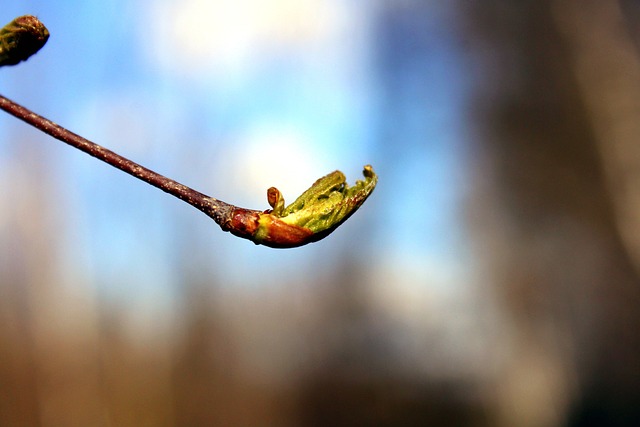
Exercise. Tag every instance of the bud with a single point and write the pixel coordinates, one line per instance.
(21, 38)
(311, 217)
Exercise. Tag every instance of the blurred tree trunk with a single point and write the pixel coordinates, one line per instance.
(557, 133)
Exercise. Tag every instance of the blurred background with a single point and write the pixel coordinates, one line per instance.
(492, 279)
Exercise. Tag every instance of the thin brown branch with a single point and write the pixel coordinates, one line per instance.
(217, 209)
(314, 215)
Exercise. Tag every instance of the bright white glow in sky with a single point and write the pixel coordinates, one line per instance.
(274, 155)
(227, 37)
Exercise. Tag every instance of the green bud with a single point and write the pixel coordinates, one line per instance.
(311, 217)
(329, 201)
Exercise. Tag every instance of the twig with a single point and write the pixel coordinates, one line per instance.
(206, 204)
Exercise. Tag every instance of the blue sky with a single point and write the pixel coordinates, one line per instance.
(232, 98)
